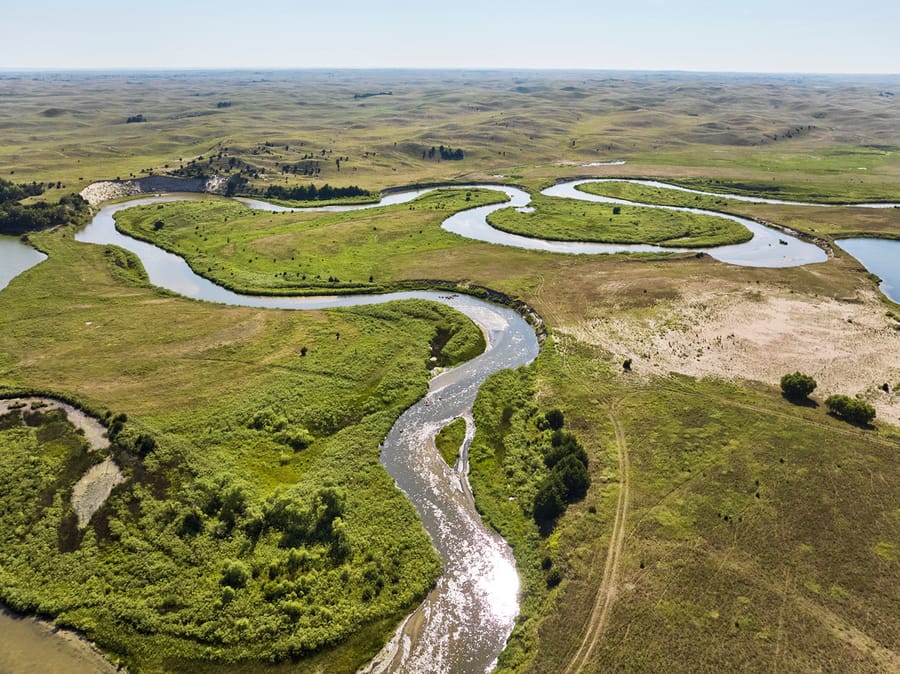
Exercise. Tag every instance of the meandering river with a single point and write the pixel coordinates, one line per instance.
(464, 623)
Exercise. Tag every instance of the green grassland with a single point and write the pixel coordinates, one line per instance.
(832, 222)
(647, 194)
(572, 220)
(225, 392)
(801, 576)
(813, 133)
(306, 253)
(756, 533)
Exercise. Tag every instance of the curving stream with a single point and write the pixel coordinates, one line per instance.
(463, 624)
(765, 249)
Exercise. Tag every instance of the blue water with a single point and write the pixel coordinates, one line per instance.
(16, 257)
(882, 258)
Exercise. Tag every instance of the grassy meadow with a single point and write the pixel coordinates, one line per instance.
(265, 467)
(309, 253)
(572, 220)
(725, 529)
(758, 536)
(830, 222)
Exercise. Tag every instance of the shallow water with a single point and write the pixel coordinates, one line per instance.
(16, 257)
(28, 645)
(881, 257)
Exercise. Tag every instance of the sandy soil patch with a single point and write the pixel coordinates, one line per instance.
(94, 487)
(94, 431)
(761, 333)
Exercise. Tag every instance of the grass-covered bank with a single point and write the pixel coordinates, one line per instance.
(255, 251)
(571, 220)
(449, 440)
(828, 221)
(261, 500)
(758, 535)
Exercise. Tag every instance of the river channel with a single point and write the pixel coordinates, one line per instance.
(464, 623)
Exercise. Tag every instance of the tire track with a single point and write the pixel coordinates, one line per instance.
(606, 592)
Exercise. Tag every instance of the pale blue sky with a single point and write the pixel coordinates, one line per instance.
(759, 36)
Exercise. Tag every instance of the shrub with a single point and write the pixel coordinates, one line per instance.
(554, 578)
(797, 386)
(573, 474)
(563, 444)
(555, 419)
(549, 501)
(851, 409)
(235, 574)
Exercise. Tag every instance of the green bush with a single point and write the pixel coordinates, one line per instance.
(555, 419)
(852, 409)
(562, 444)
(549, 502)
(554, 578)
(574, 476)
(234, 574)
(797, 386)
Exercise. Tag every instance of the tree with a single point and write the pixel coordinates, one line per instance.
(235, 574)
(574, 476)
(562, 444)
(797, 386)
(852, 409)
(549, 502)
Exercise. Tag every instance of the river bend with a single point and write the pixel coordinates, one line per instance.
(464, 623)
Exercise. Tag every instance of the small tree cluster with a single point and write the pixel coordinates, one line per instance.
(445, 153)
(312, 193)
(568, 479)
(852, 409)
(17, 219)
(797, 386)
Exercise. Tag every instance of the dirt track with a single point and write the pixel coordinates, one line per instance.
(606, 592)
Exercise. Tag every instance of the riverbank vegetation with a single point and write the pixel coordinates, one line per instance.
(829, 222)
(16, 218)
(308, 253)
(449, 440)
(572, 220)
(312, 193)
(253, 497)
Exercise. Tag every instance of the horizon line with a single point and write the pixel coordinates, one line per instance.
(183, 69)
